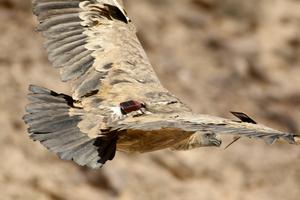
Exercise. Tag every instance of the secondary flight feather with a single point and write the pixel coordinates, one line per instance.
(117, 101)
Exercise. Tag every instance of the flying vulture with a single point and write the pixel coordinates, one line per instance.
(117, 101)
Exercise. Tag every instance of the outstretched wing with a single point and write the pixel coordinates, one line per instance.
(187, 122)
(94, 44)
(54, 120)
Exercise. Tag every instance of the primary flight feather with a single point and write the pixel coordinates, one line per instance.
(117, 101)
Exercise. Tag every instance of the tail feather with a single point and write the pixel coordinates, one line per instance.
(53, 120)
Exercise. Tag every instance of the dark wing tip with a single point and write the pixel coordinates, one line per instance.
(243, 117)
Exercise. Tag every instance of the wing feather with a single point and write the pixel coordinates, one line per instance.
(90, 41)
(204, 124)
(66, 129)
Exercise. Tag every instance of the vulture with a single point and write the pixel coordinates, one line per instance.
(117, 103)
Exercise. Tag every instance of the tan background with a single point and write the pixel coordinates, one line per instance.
(217, 56)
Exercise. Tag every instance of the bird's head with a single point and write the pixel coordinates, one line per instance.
(209, 139)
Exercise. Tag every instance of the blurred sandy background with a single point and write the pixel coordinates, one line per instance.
(217, 56)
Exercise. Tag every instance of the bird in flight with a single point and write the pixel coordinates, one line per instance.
(117, 101)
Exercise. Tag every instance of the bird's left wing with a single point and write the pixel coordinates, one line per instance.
(187, 122)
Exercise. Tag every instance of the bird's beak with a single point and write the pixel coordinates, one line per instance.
(215, 142)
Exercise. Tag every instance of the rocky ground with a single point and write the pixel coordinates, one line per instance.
(217, 56)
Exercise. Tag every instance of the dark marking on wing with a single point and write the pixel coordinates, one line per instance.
(91, 93)
(108, 66)
(118, 81)
(116, 13)
(243, 117)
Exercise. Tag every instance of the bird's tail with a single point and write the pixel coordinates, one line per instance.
(53, 120)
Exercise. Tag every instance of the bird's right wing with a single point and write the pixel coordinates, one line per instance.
(94, 44)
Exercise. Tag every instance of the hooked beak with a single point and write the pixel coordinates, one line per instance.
(215, 142)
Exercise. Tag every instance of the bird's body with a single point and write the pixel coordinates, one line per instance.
(117, 101)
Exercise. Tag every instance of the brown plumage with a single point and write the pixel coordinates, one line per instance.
(94, 45)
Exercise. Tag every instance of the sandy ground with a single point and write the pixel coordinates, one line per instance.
(217, 56)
